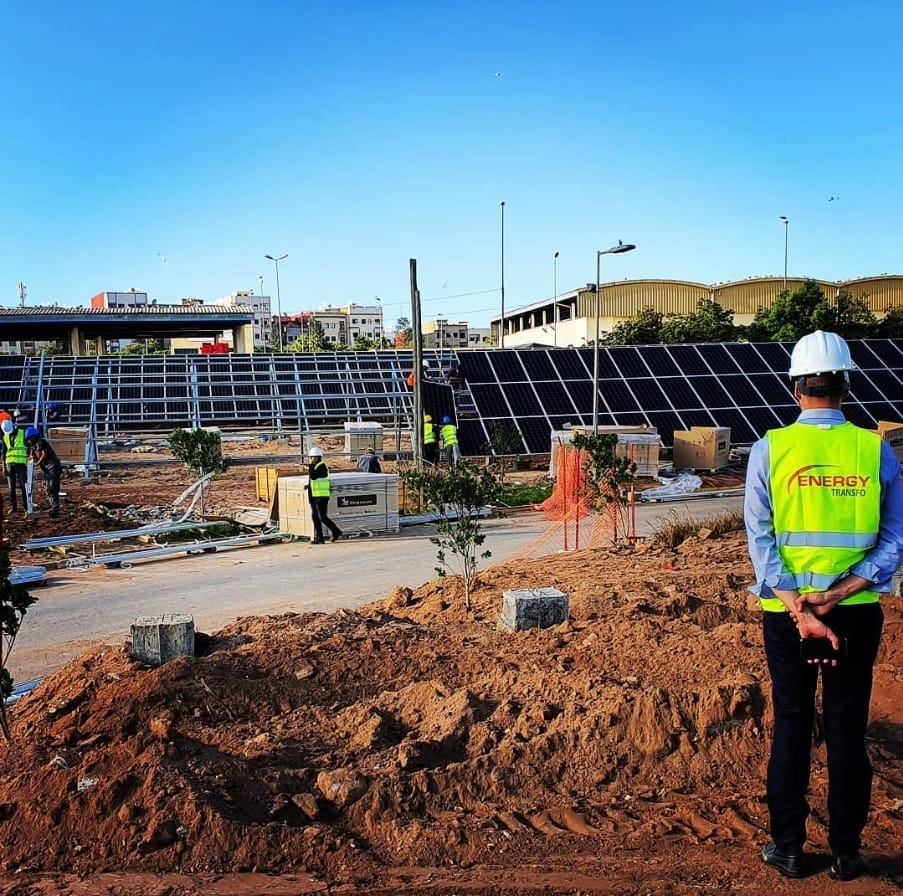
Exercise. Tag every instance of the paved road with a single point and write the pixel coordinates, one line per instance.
(80, 608)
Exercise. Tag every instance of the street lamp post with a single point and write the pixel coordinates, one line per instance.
(556, 318)
(614, 250)
(786, 221)
(502, 324)
(276, 261)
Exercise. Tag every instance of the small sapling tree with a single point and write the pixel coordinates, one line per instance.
(14, 603)
(607, 476)
(201, 450)
(457, 495)
(505, 446)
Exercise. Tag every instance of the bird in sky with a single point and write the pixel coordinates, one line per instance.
(161, 257)
(833, 198)
(498, 74)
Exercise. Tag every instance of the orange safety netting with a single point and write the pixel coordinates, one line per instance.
(568, 499)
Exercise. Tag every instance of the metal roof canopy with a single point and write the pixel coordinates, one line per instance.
(54, 322)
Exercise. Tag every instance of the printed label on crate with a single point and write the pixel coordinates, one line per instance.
(356, 501)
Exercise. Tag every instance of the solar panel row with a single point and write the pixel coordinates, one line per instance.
(740, 385)
(743, 386)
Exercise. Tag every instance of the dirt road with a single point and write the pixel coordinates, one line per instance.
(80, 608)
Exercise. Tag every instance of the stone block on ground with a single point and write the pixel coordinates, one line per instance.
(158, 639)
(526, 608)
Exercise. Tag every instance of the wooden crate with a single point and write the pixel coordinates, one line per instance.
(266, 479)
(68, 442)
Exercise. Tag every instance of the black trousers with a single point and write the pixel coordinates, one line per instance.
(17, 474)
(846, 691)
(320, 518)
(52, 475)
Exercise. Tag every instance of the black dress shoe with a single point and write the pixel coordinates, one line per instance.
(317, 541)
(848, 867)
(790, 864)
(336, 536)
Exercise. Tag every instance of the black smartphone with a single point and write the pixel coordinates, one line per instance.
(821, 649)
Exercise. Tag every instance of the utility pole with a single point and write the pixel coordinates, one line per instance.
(417, 427)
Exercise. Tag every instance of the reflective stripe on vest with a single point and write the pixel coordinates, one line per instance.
(449, 435)
(319, 488)
(826, 495)
(16, 452)
(429, 433)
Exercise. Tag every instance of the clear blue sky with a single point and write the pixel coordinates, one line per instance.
(357, 135)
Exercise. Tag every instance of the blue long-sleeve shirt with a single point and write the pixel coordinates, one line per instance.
(880, 562)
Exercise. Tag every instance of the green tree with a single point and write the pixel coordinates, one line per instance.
(143, 347)
(643, 329)
(849, 317)
(791, 316)
(456, 496)
(505, 446)
(404, 333)
(709, 323)
(201, 450)
(608, 476)
(891, 327)
(14, 604)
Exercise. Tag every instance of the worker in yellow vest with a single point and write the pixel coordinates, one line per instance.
(824, 518)
(430, 444)
(318, 489)
(14, 462)
(449, 436)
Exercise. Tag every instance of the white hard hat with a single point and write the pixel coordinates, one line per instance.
(820, 352)
(315, 452)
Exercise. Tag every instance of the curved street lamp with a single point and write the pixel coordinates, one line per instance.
(614, 250)
(276, 261)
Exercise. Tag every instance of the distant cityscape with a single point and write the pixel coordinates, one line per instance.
(346, 325)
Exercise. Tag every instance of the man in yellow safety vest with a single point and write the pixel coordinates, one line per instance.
(14, 462)
(430, 445)
(824, 518)
(318, 489)
(449, 436)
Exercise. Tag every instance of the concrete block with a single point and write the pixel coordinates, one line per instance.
(158, 639)
(533, 608)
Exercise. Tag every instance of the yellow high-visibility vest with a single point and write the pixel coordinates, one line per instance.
(826, 497)
(449, 435)
(16, 452)
(319, 488)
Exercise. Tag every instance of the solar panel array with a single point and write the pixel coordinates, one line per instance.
(743, 386)
(282, 390)
(671, 387)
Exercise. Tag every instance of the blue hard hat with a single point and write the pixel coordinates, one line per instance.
(51, 405)
(446, 419)
(31, 433)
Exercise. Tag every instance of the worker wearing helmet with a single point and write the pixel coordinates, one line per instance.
(45, 457)
(449, 436)
(824, 518)
(430, 443)
(318, 490)
(14, 462)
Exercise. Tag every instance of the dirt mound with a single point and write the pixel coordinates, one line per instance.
(622, 751)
